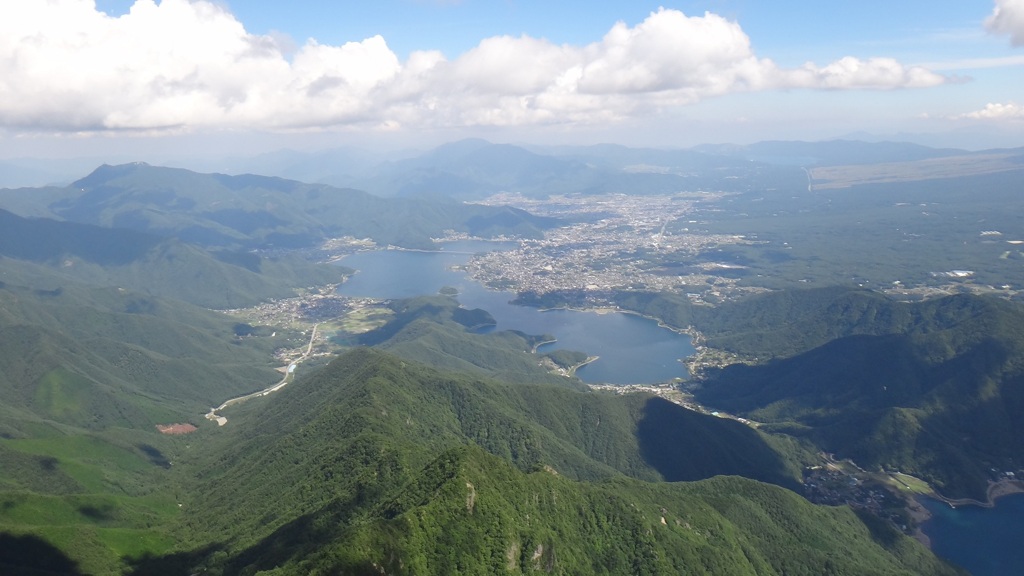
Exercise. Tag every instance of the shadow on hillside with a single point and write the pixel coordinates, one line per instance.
(304, 537)
(943, 405)
(881, 531)
(175, 564)
(102, 513)
(155, 456)
(33, 556)
(683, 445)
(965, 444)
(295, 539)
(299, 538)
(41, 240)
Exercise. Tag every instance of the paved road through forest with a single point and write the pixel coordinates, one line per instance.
(289, 372)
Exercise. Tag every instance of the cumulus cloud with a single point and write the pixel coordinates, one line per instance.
(184, 64)
(874, 73)
(1008, 18)
(996, 111)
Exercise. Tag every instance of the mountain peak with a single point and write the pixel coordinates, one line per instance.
(106, 173)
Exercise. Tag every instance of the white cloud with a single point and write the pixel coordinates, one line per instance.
(996, 111)
(181, 64)
(875, 73)
(1008, 18)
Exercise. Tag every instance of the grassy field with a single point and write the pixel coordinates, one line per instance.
(365, 319)
(907, 483)
(100, 498)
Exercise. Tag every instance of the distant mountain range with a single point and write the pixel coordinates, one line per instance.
(219, 211)
(475, 168)
(472, 169)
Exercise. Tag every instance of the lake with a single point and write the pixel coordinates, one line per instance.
(632, 349)
(985, 541)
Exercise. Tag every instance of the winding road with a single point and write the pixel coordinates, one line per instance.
(288, 374)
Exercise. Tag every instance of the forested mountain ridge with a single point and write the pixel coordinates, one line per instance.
(101, 357)
(787, 322)
(54, 252)
(377, 462)
(87, 374)
(932, 388)
(468, 512)
(365, 395)
(248, 211)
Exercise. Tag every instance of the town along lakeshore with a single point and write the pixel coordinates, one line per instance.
(630, 349)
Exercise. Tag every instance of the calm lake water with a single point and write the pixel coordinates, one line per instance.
(632, 350)
(985, 541)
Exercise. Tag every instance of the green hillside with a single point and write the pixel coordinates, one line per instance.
(437, 331)
(471, 513)
(369, 397)
(438, 445)
(77, 503)
(368, 459)
(96, 342)
(787, 322)
(86, 374)
(934, 388)
(375, 461)
(143, 262)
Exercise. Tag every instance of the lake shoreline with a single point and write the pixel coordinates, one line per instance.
(572, 370)
(544, 343)
(983, 540)
(633, 348)
(996, 489)
(920, 514)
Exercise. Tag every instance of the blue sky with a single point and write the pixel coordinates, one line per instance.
(79, 74)
(793, 30)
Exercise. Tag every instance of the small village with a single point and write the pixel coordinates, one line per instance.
(830, 485)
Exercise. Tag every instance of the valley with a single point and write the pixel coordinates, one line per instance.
(289, 375)
(452, 288)
(674, 378)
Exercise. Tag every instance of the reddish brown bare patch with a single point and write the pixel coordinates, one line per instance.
(175, 428)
